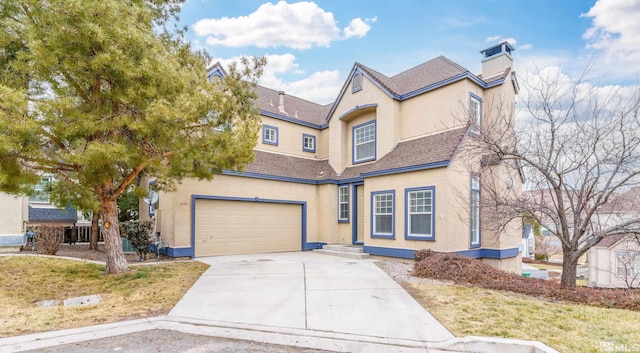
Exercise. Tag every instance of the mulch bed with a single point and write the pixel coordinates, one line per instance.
(466, 271)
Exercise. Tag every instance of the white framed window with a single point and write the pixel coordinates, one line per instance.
(627, 263)
(269, 135)
(419, 213)
(41, 191)
(308, 143)
(474, 213)
(364, 142)
(356, 82)
(382, 219)
(475, 112)
(343, 203)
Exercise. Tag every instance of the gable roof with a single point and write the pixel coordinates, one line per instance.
(295, 108)
(423, 75)
(610, 240)
(431, 151)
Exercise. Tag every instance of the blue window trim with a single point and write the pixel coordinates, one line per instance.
(264, 133)
(471, 98)
(355, 88)
(408, 236)
(305, 136)
(473, 245)
(393, 215)
(353, 142)
(344, 220)
(304, 245)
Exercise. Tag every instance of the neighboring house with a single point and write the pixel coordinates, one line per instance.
(528, 246)
(615, 260)
(42, 211)
(13, 220)
(377, 168)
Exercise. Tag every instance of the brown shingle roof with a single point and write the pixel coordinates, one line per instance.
(610, 240)
(414, 153)
(295, 108)
(423, 75)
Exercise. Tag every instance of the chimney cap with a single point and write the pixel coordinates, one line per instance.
(500, 48)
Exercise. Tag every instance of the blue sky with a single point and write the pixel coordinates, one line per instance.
(312, 45)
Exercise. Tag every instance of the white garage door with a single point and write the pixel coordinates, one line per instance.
(239, 227)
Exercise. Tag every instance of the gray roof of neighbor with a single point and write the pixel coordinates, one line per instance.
(67, 214)
(414, 153)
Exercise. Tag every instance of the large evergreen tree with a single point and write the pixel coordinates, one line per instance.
(99, 91)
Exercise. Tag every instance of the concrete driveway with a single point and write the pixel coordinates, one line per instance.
(307, 291)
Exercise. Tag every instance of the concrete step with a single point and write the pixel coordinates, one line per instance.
(358, 249)
(350, 255)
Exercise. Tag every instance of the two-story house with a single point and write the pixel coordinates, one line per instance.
(378, 168)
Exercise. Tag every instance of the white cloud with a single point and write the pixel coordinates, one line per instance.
(615, 30)
(320, 87)
(300, 25)
(499, 39)
(358, 27)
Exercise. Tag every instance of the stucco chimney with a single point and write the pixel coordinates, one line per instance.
(281, 104)
(496, 59)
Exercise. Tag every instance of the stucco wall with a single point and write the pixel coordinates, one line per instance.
(175, 207)
(289, 138)
(13, 213)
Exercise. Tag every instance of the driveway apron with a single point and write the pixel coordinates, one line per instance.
(307, 291)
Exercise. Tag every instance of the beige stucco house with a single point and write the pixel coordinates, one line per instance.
(378, 168)
(13, 219)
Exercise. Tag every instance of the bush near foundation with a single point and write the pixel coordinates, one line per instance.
(467, 271)
(49, 237)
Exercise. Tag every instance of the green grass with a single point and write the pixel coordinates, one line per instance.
(143, 291)
(467, 311)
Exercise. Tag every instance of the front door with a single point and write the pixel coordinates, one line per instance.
(358, 214)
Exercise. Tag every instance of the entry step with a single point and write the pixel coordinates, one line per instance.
(349, 251)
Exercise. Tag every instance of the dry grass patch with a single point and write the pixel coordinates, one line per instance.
(144, 291)
(468, 311)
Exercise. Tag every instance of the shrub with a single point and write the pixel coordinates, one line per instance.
(466, 271)
(49, 237)
(139, 234)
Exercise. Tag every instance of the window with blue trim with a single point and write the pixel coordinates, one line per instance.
(364, 142)
(383, 214)
(419, 213)
(475, 231)
(343, 203)
(308, 143)
(356, 83)
(475, 112)
(269, 135)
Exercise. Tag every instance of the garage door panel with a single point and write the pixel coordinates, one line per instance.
(237, 227)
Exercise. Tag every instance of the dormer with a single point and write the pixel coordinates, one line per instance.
(496, 59)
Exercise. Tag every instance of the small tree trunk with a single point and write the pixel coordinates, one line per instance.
(116, 262)
(93, 242)
(569, 272)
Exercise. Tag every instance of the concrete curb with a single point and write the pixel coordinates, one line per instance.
(330, 341)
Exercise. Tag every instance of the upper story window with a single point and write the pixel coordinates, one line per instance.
(41, 191)
(475, 211)
(269, 135)
(343, 203)
(308, 143)
(364, 142)
(475, 112)
(420, 204)
(356, 82)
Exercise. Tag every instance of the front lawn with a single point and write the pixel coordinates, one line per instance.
(144, 291)
(468, 311)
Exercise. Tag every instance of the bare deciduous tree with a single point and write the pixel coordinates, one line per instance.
(578, 147)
